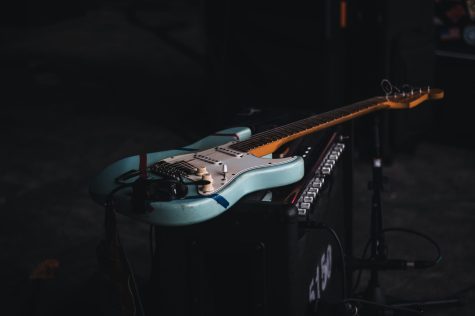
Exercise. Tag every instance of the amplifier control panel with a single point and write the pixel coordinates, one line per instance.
(309, 195)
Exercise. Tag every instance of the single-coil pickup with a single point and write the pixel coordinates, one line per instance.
(230, 152)
(206, 159)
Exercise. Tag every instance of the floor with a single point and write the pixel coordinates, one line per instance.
(72, 103)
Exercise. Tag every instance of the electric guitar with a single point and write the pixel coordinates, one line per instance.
(199, 182)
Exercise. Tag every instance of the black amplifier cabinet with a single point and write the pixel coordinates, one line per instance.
(261, 257)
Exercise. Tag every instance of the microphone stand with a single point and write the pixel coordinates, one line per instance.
(378, 259)
(373, 291)
(378, 245)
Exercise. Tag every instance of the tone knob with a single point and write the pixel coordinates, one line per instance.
(201, 170)
(207, 187)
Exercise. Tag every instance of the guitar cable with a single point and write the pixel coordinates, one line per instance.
(416, 264)
(110, 223)
(352, 309)
(152, 246)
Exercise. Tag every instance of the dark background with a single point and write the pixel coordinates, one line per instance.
(86, 83)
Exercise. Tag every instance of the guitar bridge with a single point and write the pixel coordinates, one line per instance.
(175, 170)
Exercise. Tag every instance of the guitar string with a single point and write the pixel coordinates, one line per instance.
(288, 130)
(302, 125)
(323, 118)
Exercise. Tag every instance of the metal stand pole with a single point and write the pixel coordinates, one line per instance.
(378, 246)
(378, 259)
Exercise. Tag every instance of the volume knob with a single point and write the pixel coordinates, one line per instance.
(207, 187)
(201, 170)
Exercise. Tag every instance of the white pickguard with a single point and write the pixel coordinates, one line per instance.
(246, 174)
(214, 159)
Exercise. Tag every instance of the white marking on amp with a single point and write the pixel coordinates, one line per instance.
(321, 278)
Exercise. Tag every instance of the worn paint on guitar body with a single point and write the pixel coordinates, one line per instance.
(246, 174)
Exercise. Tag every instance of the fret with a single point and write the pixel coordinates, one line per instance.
(280, 133)
(305, 125)
(283, 132)
(267, 142)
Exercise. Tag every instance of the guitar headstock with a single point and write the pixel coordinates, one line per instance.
(410, 99)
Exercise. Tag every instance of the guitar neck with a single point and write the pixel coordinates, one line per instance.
(269, 141)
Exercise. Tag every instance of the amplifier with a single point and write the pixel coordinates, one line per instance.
(264, 256)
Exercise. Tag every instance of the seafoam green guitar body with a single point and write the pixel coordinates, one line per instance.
(245, 174)
(224, 167)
